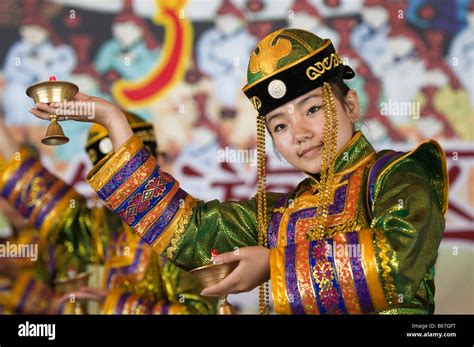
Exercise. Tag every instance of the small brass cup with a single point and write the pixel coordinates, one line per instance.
(210, 275)
(49, 92)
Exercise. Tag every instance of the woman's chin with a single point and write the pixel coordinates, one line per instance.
(309, 166)
(311, 170)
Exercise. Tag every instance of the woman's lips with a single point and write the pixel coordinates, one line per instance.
(309, 152)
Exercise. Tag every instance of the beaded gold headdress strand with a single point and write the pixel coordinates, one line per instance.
(264, 291)
(326, 180)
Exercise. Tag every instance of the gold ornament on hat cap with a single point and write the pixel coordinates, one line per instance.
(277, 89)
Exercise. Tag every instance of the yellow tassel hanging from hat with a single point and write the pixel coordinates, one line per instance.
(264, 291)
(326, 182)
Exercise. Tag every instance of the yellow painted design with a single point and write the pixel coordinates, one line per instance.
(162, 18)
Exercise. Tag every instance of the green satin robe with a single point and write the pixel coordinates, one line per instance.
(378, 251)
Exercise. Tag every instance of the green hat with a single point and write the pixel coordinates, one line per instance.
(289, 63)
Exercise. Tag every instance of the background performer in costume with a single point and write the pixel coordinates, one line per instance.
(135, 279)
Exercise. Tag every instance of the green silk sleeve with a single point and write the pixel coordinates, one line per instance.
(409, 206)
(171, 221)
(215, 225)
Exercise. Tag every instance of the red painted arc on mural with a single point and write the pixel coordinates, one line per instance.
(165, 76)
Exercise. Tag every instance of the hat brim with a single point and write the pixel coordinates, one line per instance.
(348, 73)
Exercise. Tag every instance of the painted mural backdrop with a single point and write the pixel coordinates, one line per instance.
(181, 65)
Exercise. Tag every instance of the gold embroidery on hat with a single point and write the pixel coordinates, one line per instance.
(320, 67)
(270, 50)
(256, 102)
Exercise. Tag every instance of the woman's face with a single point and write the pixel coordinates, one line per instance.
(297, 128)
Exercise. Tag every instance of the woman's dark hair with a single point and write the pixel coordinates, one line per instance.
(340, 90)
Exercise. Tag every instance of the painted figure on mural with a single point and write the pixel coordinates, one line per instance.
(461, 56)
(132, 51)
(38, 54)
(86, 77)
(221, 53)
(304, 15)
(399, 52)
(454, 102)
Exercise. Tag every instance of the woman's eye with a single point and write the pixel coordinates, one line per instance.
(278, 128)
(313, 110)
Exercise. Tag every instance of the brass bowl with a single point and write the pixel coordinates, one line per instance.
(210, 275)
(52, 91)
(48, 92)
(69, 285)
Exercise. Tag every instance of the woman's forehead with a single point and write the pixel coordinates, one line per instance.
(283, 109)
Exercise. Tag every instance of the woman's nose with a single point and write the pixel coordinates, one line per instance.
(302, 132)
